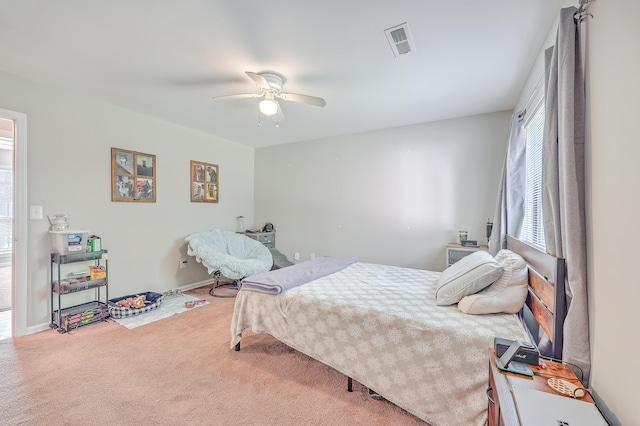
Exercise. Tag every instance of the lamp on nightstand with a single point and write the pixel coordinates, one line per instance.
(489, 229)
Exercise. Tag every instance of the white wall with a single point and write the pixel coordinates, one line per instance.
(69, 171)
(395, 196)
(613, 209)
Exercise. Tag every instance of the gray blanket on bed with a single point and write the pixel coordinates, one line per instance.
(275, 282)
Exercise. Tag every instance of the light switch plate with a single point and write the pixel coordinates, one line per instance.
(35, 212)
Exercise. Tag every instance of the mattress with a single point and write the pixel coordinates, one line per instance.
(380, 325)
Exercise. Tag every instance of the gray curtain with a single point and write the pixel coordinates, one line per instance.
(509, 212)
(563, 180)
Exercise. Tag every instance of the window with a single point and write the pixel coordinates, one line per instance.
(532, 227)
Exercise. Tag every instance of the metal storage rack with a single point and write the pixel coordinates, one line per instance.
(67, 318)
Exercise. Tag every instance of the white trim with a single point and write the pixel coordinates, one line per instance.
(196, 285)
(37, 328)
(536, 96)
(20, 230)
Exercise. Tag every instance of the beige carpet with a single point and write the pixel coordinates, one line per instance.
(176, 371)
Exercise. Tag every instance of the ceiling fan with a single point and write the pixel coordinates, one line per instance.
(270, 84)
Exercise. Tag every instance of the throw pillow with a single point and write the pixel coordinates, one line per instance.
(467, 276)
(507, 294)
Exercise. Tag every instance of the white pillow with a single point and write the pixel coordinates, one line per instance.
(469, 275)
(507, 294)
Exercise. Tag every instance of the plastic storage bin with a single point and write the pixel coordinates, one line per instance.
(69, 241)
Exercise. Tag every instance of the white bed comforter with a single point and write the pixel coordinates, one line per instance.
(380, 325)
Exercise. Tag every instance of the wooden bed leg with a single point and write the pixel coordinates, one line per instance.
(237, 347)
(349, 384)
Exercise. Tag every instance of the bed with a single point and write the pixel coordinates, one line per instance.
(380, 325)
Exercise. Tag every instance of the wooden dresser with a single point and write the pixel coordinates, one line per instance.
(502, 408)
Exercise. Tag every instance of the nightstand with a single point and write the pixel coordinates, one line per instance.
(266, 238)
(456, 252)
(502, 409)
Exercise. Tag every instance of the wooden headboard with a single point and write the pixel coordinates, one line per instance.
(545, 307)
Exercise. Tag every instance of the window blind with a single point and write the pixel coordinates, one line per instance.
(532, 228)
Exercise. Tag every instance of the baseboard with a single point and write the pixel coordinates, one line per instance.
(195, 285)
(37, 328)
(604, 409)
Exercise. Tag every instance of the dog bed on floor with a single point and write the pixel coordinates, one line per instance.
(152, 301)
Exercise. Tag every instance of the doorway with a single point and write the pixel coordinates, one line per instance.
(18, 317)
(6, 227)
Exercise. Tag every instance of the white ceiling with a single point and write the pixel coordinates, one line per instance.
(167, 58)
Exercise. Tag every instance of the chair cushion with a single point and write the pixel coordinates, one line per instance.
(235, 255)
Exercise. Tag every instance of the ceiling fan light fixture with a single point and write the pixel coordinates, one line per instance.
(270, 85)
(268, 107)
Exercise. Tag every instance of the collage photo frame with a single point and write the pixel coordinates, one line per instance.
(205, 185)
(133, 176)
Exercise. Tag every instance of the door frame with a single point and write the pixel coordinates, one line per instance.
(19, 258)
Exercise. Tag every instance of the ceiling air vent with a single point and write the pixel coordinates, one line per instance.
(400, 40)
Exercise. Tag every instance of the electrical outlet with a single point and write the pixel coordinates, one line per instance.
(312, 256)
(296, 256)
(183, 263)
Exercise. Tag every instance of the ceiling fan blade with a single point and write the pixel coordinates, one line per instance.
(238, 96)
(258, 79)
(278, 116)
(305, 99)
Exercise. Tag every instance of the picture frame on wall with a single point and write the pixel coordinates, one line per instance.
(133, 176)
(204, 182)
